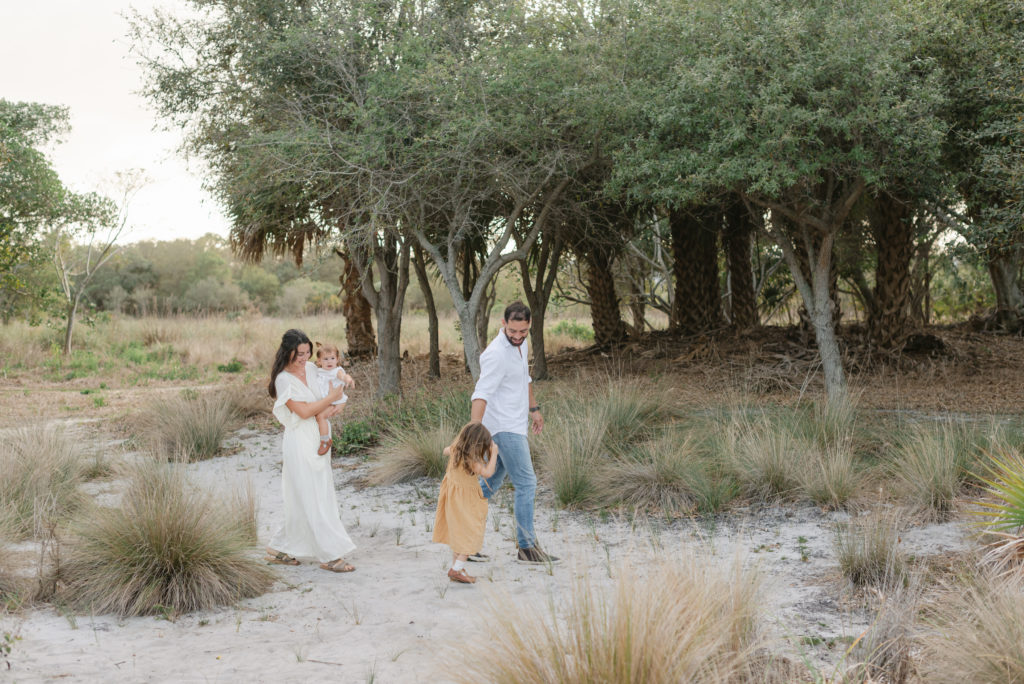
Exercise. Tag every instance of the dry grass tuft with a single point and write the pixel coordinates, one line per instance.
(246, 401)
(666, 475)
(185, 427)
(867, 548)
(570, 449)
(831, 478)
(931, 464)
(411, 453)
(885, 652)
(689, 623)
(979, 635)
(169, 548)
(764, 458)
(42, 468)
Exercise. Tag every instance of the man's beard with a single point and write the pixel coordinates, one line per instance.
(513, 342)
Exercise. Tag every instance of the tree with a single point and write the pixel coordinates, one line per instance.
(32, 197)
(82, 244)
(799, 108)
(980, 46)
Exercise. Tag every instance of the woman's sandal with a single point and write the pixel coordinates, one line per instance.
(337, 565)
(281, 558)
(325, 446)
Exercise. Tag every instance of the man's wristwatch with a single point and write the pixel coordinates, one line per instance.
(535, 408)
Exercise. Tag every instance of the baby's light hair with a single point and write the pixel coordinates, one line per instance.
(322, 349)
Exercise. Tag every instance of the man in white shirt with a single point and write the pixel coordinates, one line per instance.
(503, 401)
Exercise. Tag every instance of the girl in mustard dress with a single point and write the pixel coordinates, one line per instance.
(461, 507)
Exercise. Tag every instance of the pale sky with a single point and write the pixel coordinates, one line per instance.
(75, 53)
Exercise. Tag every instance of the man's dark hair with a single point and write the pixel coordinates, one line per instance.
(517, 311)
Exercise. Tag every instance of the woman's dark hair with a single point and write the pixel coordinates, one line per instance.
(290, 341)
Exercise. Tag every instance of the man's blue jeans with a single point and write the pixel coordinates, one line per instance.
(514, 460)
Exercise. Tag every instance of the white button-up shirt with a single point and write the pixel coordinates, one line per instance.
(505, 385)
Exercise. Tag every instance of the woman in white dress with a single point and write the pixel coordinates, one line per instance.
(312, 527)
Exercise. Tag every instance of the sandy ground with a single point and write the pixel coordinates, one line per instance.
(394, 617)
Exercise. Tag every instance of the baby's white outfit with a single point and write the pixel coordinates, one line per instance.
(329, 379)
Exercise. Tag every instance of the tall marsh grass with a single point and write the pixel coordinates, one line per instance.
(684, 622)
(41, 470)
(169, 547)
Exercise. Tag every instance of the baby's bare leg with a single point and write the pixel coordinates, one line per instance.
(321, 422)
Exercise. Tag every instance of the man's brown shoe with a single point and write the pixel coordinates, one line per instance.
(460, 576)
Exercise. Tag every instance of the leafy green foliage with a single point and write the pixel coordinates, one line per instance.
(353, 437)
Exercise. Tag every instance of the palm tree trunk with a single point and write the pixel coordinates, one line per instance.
(695, 268)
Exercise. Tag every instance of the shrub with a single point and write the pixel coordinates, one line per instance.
(169, 547)
(868, 553)
(355, 436)
(573, 330)
(189, 428)
(686, 622)
(233, 366)
(42, 469)
(979, 635)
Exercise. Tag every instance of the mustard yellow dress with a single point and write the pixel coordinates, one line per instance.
(461, 511)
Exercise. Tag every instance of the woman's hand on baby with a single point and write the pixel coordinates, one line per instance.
(336, 393)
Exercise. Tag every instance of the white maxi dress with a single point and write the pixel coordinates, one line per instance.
(312, 527)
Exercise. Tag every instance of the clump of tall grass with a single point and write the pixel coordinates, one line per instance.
(246, 401)
(788, 453)
(632, 414)
(830, 477)
(41, 469)
(867, 549)
(685, 622)
(570, 450)
(979, 633)
(169, 547)
(932, 462)
(764, 458)
(587, 434)
(409, 453)
(885, 651)
(189, 427)
(668, 474)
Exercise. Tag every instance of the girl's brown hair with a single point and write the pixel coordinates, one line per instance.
(322, 349)
(472, 445)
